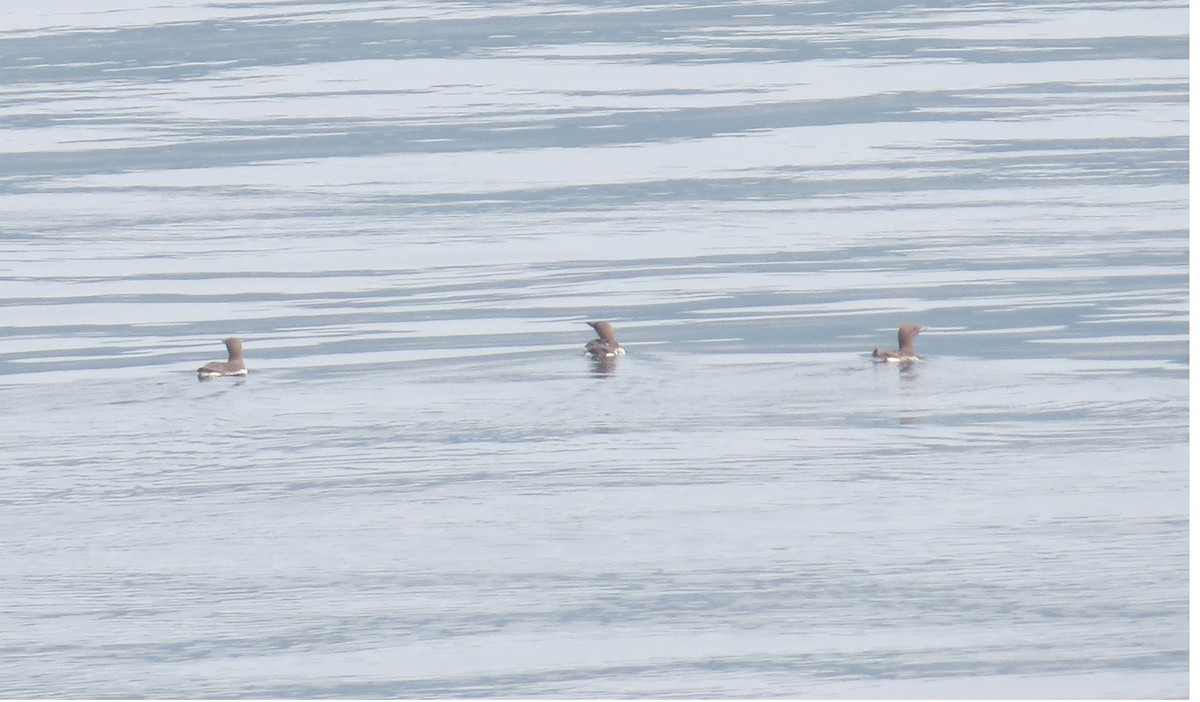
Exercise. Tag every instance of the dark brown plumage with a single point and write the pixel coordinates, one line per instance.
(904, 354)
(234, 366)
(606, 346)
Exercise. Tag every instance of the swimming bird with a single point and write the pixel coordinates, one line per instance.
(233, 366)
(905, 354)
(606, 346)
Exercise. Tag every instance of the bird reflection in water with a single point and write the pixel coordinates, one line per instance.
(604, 349)
(603, 367)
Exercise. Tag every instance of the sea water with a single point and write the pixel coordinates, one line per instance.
(407, 211)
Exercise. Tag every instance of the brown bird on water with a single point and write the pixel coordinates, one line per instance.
(234, 366)
(606, 346)
(905, 354)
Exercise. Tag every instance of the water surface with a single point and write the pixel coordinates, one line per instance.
(423, 489)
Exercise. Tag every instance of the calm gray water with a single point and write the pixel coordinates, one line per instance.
(408, 210)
